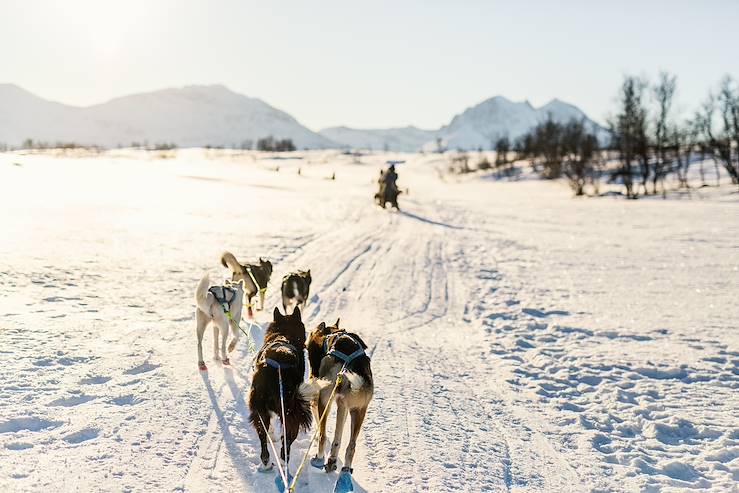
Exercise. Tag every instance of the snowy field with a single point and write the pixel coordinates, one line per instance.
(522, 340)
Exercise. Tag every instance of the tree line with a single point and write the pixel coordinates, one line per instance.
(646, 142)
(264, 144)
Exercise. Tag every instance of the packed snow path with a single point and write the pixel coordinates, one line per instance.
(521, 340)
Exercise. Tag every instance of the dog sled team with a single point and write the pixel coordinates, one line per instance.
(340, 369)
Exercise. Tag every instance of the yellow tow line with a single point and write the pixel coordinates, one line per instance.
(256, 285)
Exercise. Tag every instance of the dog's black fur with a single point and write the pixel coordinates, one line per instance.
(296, 288)
(316, 352)
(262, 273)
(264, 396)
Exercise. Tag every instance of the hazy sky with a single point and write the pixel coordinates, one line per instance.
(372, 63)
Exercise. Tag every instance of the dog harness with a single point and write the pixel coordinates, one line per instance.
(254, 280)
(329, 347)
(273, 363)
(224, 295)
(260, 289)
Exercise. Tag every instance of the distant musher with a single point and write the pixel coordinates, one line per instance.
(388, 188)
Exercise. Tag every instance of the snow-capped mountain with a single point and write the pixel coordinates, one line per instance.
(407, 139)
(482, 124)
(214, 115)
(476, 127)
(188, 116)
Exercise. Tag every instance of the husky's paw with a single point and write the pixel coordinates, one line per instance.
(201, 366)
(330, 465)
(282, 487)
(265, 467)
(317, 462)
(344, 483)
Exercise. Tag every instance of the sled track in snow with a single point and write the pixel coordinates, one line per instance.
(522, 341)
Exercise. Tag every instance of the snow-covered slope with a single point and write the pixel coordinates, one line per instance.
(521, 341)
(562, 112)
(188, 116)
(24, 115)
(482, 124)
(404, 139)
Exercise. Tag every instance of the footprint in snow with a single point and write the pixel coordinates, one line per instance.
(82, 436)
(96, 380)
(18, 445)
(28, 423)
(543, 314)
(142, 368)
(71, 401)
(126, 400)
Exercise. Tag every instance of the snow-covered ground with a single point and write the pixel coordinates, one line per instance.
(522, 340)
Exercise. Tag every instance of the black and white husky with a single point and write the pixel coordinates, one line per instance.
(214, 304)
(331, 350)
(295, 289)
(255, 276)
(281, 357)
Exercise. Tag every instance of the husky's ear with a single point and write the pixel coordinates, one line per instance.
(321, 327)
(260, 260)
(277, 315)
(296, 314)
(337, 323)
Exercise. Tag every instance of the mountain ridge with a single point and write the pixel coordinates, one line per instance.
(214, 115)
(190, 116)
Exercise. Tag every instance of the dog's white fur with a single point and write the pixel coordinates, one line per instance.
(210, 311)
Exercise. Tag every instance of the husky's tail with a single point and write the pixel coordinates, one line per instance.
(310, 389)
(229, 261)
(301, 407)
(352, 382)
(355, 382)
(201, 294)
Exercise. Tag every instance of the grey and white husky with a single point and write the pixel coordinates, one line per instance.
(214, 305)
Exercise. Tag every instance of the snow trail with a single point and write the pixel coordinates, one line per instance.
(511, 347)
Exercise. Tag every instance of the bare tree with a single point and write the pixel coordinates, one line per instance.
(723, 138)
(580, 149)
(663, 92)
(629, 132)
(502, 146)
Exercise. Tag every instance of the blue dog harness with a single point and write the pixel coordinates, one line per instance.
(274, 363)
(329, 347)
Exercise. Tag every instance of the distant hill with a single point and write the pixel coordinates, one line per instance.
(189, 116)
(393, 139)
(477, 127)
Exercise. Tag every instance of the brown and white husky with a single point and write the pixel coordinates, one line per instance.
(331, 350)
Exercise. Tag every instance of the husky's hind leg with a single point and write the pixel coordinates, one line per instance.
(202, 322)
(340, 420)
(357, 420)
